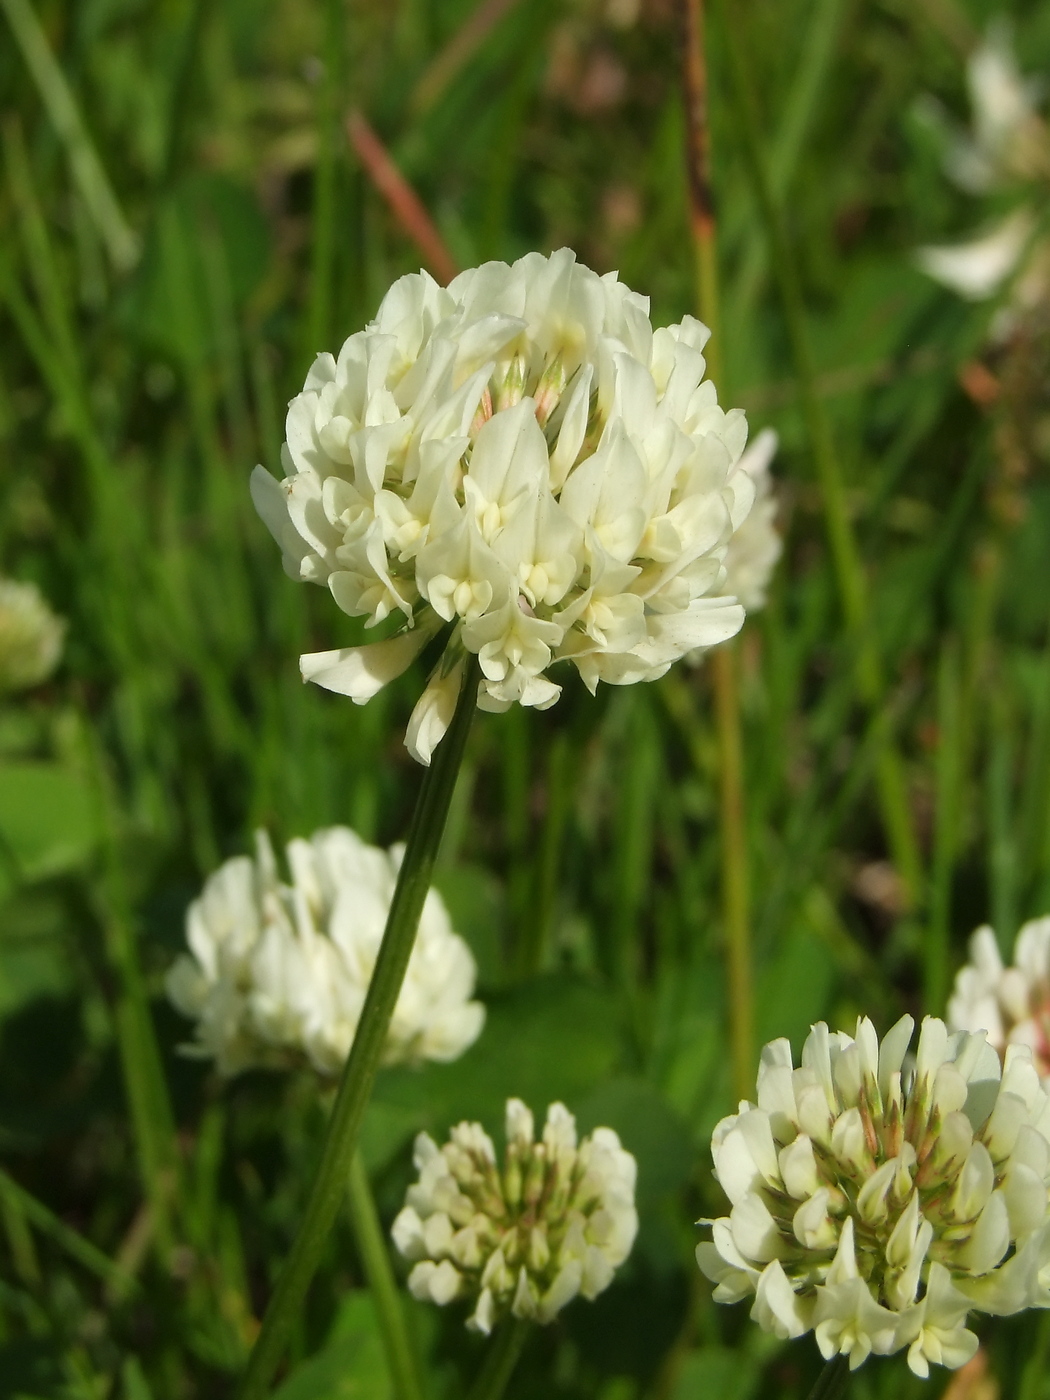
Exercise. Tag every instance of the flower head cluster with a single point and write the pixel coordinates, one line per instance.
(755, 548)
(877, 1206)
(280, 971)
(521, 461)
(1009, 148)
(30, 636)
(1011, 1004)
(557, 1220)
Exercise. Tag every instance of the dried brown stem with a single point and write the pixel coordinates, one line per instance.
(406, 206)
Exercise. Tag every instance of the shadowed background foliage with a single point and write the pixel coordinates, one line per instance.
(169, 265)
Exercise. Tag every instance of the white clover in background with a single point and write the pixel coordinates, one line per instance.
(755, 548)
(279, 971)
(557, 1220)
(877, 1205)
(1011, 1004)
(1008, 149)
(521, 462)
(31, 636)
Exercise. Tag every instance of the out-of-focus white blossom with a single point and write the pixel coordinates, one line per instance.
(877, 1205)
(30, 636)
(557, 1220)
(278, 971)
(1008, 147)
(522, 463)
(756, 546)
(1010, 1004)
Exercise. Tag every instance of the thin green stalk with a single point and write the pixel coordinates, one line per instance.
(182, 93)
(849, 574)
(1002, 852)
(550, 850)
(153, 1122)
(386, 1295)
(503, 1355)
(639, 782)
(122, 243)
(811, 71)
(946, 823)
(355, 1088)
(1033, 1376)
(319, 316)
(735, 897)
(832, 1380)
(735, 891)
(39, 249)
(68, 1239)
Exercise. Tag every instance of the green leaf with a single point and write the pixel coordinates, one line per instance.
(550, 1039)
(794, 987)
(648, 1127)
(351, 1366)
(34, 958)
(47, 819)
(731, 1375)
(475, 902)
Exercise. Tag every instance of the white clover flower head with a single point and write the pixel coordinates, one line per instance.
(522, 463)
(557, 1220)
(877, 1206)
(1010, 1004)
(1008, 140)
(1009, 146)
(755, 548)
(278, 972)
(31, 636)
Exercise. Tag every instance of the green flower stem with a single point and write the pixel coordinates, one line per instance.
(323, 219)
(948, 790)
(735, 896)
(71, 1241)
(735, 893)
(122, 243)
(371, 1244)
(502, 1357)
(832, 1380)
(355, 1088)
(849, 574)
(149, 1104)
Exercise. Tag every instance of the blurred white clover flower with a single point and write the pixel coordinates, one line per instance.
(878, 1206)
(755, 548)
(31, 636)
(1010, 1004)
(519, 459)
(1008, 148)
(557, 1221)
(279, 971)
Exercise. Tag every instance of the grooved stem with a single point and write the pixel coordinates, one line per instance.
(382, 1284)
(355, 1087)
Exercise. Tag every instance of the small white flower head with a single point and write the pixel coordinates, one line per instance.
(877, 1205)
(30, 636)
(521, 463)
(1010, 1004)
(557, 1220)
(755, 548)
(1009, 146)
(1008, 142)
(278, 972)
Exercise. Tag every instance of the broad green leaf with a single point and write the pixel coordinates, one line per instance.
(351, 1366)
(47, 818)
(551, 1039)
(648, 1127)
(731, 1375)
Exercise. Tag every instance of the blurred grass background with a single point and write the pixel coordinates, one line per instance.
(170, 260)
